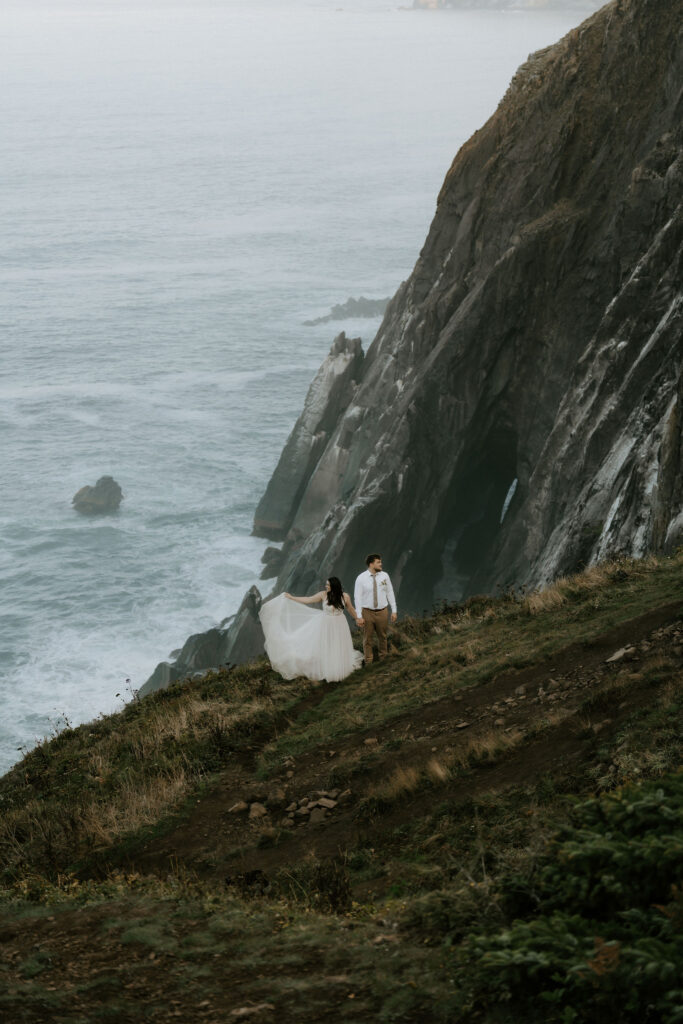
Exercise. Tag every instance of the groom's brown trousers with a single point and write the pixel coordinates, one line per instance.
(376, 621)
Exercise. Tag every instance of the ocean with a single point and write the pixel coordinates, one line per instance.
(183, 184)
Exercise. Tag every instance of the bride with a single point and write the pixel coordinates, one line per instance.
(302, 641)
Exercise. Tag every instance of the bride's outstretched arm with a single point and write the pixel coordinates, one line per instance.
(349, 607)
(307, 600)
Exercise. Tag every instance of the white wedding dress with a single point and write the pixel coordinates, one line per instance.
(302, 640)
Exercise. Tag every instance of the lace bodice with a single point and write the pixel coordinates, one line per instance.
(330, 609)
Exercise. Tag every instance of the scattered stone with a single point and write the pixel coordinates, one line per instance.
(623, 652)
(302, 812)
(249, 1011)
(287, 823)
(463, 725)
(290, 775)
(257, 811)
(344, 796)
(326, 802)
(292, 807)
(317, 814)
(372, 741)
(276, 799)
(333, 794)
(499, 722)
(552, 684)
(520, 691)
(239, 808)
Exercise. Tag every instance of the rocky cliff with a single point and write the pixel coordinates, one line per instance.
(519, 412)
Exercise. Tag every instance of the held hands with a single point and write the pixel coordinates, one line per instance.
(360, 622)
(394, 616)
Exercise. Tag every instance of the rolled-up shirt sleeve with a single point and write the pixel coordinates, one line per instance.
(390, 596)
(358, 596)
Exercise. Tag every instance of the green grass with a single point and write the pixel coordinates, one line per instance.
(417, 920)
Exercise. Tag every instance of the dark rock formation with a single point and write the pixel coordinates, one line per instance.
(288, 494)
(101, 499)
(361, 307)
(241, 641)
(272, 559)
(519, 412)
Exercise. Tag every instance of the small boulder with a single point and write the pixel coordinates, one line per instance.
(257, 811)
(102, 499)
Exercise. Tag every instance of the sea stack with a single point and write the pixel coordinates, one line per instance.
(102, 499)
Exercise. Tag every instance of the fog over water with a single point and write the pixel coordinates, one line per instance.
(182, 185)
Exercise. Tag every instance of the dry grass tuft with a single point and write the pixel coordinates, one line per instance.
(486, 746)
(545, 600)
(400, 782)
(437, 772)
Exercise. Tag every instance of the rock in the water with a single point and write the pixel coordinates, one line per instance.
(361, 307)
(240, 642)
(103, 498)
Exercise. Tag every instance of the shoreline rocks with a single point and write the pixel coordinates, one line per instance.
(240, 642)
(350, 309)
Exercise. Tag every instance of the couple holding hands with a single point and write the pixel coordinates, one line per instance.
(302, 642)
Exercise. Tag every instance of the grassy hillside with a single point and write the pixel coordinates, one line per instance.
(486, 826)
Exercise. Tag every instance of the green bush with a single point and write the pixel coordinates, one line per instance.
(599, 935)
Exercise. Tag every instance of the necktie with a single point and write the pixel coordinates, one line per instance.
(374, 589)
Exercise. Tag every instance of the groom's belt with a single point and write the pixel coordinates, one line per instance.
(382, 609)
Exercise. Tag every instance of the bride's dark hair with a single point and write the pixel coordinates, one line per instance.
(335, 595)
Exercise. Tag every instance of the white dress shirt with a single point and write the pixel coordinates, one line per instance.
(363, 592)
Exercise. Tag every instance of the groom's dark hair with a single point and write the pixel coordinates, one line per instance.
(371, 558)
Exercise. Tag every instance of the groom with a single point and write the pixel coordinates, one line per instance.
(372, 594)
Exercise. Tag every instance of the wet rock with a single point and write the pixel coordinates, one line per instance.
(102, 499)
(237, 640)
(352, 308)
(272, 559)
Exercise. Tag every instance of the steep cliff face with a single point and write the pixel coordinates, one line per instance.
(519, 412)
